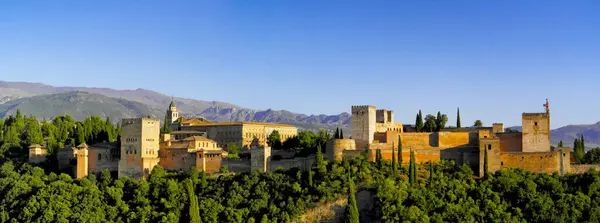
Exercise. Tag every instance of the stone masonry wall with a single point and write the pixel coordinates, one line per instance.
(536, 132)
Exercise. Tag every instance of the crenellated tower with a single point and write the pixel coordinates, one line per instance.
(364, 118)
(536, 131)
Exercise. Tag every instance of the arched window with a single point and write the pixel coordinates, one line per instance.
(99, 156)
(490, 147)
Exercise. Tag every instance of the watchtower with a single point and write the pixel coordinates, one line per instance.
(536, 131)
(139, 146)
(363, 124)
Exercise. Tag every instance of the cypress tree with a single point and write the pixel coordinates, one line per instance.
(320, 162)
(351, 212)
(165, 129)
(419, 122)
(194, 212)
(393, 160)
(457, 118)
(378, 157)
(560, 144)
(341, 134)
(400, 150)
(582, 143)
(337, 133)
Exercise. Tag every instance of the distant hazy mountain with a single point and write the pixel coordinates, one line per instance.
(47, 101)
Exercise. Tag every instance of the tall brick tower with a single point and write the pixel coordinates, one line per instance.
(363, 125)
(536, 131)
(139, 147)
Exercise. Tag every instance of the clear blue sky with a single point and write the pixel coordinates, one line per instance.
(493, 59)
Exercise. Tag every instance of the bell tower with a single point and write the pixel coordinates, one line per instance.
(172, 113)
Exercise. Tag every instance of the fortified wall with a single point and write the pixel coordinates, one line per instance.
(529, 150)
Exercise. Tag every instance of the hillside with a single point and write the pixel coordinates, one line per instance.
(79, 105)
(33, 98)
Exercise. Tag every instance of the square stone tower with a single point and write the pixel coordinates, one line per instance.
(140, 140)
(536, 132)
(363, 124)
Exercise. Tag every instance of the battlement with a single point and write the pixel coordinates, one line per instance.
(535, 114)
(362, 107)
(137, 120)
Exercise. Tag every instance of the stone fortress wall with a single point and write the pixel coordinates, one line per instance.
(529, 150)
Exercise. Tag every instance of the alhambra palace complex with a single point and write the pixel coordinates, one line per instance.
(201, 144)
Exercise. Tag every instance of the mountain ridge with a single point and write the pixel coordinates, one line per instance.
(13, 94)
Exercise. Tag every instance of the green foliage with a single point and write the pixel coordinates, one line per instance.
(458, 118)
(233, 150)
(478, 123)
(419, 122)
(351, 212)
(341, 134)
(274, 140)
(507, 196)
(378, 157)
(592, 156)
(440, 121)
(578, 150)
(193, 210)
(337, 133)
(165, 128)
(394, 168)
(400, 150)
(560, 144)
(430, 125)
(412, 169)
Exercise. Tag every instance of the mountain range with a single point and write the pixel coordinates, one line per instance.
(45, 101)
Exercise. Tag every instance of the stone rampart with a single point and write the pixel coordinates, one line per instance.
(236, 165)
(302, 163)
(582, 168)
(540, 162)
(335, 147)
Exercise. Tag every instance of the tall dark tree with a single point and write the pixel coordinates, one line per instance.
(393, 160)
(341, 134)
(165, 128)
(582, 143)
(193, 210)
(458, 118)
(560, 144)
(351, 212)
(430, 172)
(378, 157)
(419, 122)
(337, 133)
(400, 150)
(320, 162)
(412, 169)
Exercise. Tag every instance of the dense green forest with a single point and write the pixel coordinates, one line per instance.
(18, 132)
